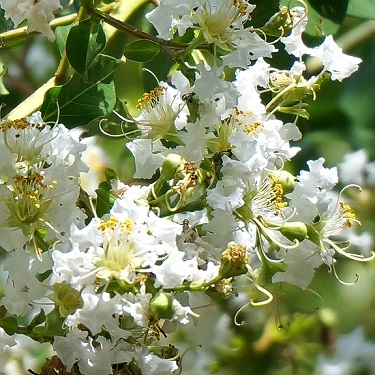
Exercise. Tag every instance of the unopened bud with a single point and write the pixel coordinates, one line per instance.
(233, 260)
(161, 305)
(170, 165)
(294, 231)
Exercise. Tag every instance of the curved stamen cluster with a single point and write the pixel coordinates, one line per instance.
(218, 21)
(269, 199)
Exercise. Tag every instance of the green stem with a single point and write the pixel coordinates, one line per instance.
(130, 30)
(194, 288)
(21, 34)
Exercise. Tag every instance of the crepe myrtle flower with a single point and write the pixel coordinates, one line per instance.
(327, 226)
(220, 22)
(265, 208)
(161, 114)
(39, 173)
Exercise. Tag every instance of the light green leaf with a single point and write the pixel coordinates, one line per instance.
(141, 50)
(361, 9)
(80, 101)
(61, 33)
(84, 42)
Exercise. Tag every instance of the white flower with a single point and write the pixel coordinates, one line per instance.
(148, 156)
(93, 356)
(22, 286)
(170, 15)
(6, 342)
(226, 195)
(309, 196)
(293, 43)
(150, 364)
(334, 60)
(101, 306)
(38, 14)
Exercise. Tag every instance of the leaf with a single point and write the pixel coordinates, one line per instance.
(9, 324)
(320, 26)
(141, 50)
(84, 42)
(61, 33)
(80, 101)
(361, 9)
(334, 10)
(105, 200)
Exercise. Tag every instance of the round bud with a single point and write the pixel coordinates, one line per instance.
(161, 305)
(170, 165)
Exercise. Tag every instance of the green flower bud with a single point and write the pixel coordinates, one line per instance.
(233, 261)
(161, 305)
(286, 179)
(294, 231)
(170, 165)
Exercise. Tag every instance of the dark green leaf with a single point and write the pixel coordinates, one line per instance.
(84, 42)
(3, 23)
(104, 201)
(263, 11)
(334, 10)
(141, 50)
(320, 26)
(9, 324)
(362, 9)
(81, 101)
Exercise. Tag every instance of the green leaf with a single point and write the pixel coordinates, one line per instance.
(61, 33)
(110, 174)
(3, 70)
(334, 10)
(362, 9)
(84, 42)
(80, 101)
(9, 324)
(54, 324)
(141, 50)
(3, 22)
(295, 111)
(104, 201)
(38, 319)
(320, 26)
